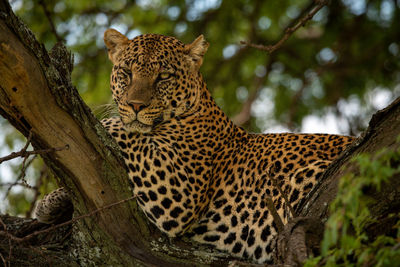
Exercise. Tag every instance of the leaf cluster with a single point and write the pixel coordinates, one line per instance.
(347, 241)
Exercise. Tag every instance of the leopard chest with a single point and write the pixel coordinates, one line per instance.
(170, 178)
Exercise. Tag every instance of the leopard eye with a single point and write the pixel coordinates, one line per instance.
(164, 75)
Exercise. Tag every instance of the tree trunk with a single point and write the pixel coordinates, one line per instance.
(36, 95)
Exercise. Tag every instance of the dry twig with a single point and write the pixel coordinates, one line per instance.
(244, 115)
(22, 153)
(25, 164)
(36, 188)
(48, 15)
(294, 105)
(9, 242)
(275, 215)
(3, 260)
(284, 195)
(290, 30)
(14, 184)
(20, 176)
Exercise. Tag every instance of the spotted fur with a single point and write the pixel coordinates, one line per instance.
(55, 207)
(194, 171)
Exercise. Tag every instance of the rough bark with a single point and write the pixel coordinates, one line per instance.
(47, 249)
(36, 95)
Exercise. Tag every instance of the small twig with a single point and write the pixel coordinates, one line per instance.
(36, 188)
(39, 251)
(244, 115)
(290, 30)
(53, 227)
(21, 176)
(275, 215)
(396, 247)
(22, 153)
(66, 236)
(17, 183)
(275, 183)
(294, 105)
(3, 224)
(9, 240)
(28, 141)
(24, 167)
(3, 260)
(52, 26)
(5, 231)
(284, 195)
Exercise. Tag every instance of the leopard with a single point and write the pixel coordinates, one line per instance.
(195, 173)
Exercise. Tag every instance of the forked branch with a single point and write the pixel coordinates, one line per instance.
(290, 30)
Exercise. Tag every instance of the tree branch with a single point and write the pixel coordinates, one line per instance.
(25, 154)
(49, 15)
(245, 114)
(20, 176)
(290, 30)
(275, 215)
(382, 132)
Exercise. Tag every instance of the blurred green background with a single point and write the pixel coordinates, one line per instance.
(330, 76)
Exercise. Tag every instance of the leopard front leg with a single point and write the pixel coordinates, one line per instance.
(164, 184)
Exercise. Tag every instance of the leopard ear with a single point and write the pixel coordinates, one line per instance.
(115, 43)
(196, 50)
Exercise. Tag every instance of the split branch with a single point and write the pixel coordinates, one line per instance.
(289, 31)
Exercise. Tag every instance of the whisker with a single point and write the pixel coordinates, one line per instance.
(106, 110)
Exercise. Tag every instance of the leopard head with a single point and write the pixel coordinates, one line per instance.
(155, 78)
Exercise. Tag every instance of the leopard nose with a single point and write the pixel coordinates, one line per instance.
(136, 106)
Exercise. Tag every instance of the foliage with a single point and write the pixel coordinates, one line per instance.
(346, 241)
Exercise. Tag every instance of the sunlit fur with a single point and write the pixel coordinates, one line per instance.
(194, 171)
(144, 73)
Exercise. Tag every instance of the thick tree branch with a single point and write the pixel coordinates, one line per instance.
(382, 132)
(302, 235)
